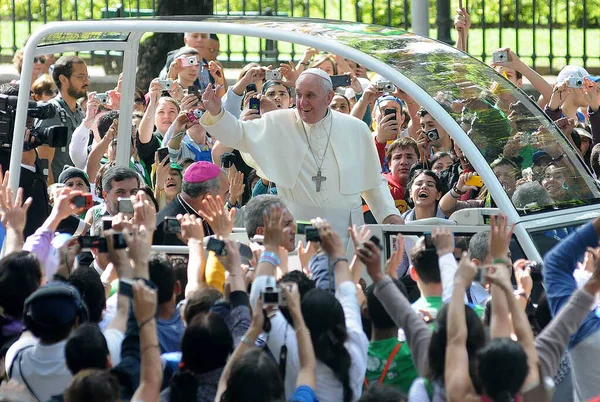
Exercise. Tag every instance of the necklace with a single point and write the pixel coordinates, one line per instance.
(319, 178)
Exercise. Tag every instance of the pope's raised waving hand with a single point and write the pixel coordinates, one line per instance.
(211, 100)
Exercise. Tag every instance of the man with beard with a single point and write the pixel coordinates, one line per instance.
(70, 75)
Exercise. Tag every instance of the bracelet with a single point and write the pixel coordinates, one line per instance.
(457, 191)
(145, 348)
(339, 260)
(229, 206)
(500, 261)
(520, 293)
(452, 195)
(179, 134)
(302, 329)
(244, 339)
(305, 64)
(145, 322)
(270, 257)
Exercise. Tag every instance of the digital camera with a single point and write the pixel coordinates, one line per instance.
(274, 75)
(194, 115)
(166, 85)
(432, 135)
(575, 82)
(102, 98)
(386, 86)
(500, 57)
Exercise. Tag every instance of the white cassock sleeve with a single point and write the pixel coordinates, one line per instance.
(380, 201)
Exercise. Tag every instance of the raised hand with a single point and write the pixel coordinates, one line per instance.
(289, 74)
(249, 114)
(121, 222)
(593, 284)
(276, 233)
(305, 253)
(189, 102)
(220, 220)
(162, 171)
(466, 272)
(216, 71)
(370, 255)
(144, 212)
(387, 128)
(463, 179)
(192, 228)
(211, 100)
(359, 237)
(139, 247)
(91, 108)
(14, 213)
(292, 297)
(391, 266)
(236, 188)
(560, 93)
(155, 90)
(443, 239)
(144, 302)
(330, 240)
(501, 233)
(462, 20)
(499, 275)
(118, 257)
(523, 275)
(231, 260)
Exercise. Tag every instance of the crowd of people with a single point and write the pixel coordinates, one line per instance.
(318, 147)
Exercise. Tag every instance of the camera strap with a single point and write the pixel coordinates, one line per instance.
(283, 354)
(63, 116)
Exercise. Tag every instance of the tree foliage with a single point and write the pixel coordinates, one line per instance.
(153, 50)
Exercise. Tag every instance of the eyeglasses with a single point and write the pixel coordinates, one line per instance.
(50, 92)
(40, 59)
(81, 76)
(139, 101)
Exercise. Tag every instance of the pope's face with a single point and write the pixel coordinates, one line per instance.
(312, 98)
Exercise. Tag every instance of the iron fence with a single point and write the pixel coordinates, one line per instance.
(546, 33)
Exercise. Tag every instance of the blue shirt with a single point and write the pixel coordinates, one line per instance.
(170, 333)
(304, 393)
(559, 264)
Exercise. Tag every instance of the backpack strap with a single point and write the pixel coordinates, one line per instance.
(429, 388)
(19, 358)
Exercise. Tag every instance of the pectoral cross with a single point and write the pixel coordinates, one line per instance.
(318, 179)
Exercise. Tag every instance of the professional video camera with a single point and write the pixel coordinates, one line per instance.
(54, 136)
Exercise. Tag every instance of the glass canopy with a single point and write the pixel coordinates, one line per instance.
(500, 119)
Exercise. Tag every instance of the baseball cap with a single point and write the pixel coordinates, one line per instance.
(53, 305)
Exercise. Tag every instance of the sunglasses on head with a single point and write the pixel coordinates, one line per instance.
(40, 59)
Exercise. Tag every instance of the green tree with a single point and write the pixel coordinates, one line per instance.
(153, 50)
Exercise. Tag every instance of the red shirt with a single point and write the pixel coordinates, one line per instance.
(397, 191)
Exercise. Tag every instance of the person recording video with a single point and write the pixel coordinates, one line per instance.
(32, 178)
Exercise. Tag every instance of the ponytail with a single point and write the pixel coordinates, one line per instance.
(330, 349)
(184, 386)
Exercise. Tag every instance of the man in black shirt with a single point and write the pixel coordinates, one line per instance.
(32, 178)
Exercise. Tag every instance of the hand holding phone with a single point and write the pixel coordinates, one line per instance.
(474, 181)
(254, 104)
(83, 202)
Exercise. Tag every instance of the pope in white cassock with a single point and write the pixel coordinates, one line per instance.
(322, 161)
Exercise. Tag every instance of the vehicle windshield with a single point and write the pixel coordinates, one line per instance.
(499, 119)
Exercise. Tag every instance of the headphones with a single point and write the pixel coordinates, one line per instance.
(54, 289)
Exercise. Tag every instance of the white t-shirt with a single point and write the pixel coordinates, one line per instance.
(329, 388)
(42, 368)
